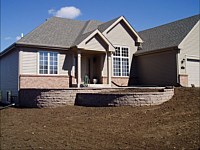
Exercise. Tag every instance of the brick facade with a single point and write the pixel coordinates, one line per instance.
(103, 80)
(183, 80)
(121, 81)
(44, 82)
(60, 81)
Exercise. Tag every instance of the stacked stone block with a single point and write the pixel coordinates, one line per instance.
(91, 97)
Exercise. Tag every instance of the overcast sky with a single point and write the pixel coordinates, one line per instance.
(22, 16)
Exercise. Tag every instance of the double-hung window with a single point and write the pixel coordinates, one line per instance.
(48, 62)
(121, 61)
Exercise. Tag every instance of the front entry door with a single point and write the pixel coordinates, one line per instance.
(91, 66)
(85, 68)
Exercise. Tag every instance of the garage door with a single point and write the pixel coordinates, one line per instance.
(193, 72)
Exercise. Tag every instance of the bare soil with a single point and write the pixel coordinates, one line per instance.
(172, 125)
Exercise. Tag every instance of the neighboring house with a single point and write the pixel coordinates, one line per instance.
(60, 52)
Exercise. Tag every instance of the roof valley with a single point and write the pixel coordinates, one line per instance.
(80, 33)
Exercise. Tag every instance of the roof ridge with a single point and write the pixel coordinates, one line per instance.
(95, 20)
(66, 19)
(170, 23)
(112, 20)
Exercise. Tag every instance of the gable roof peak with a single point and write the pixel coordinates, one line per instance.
(105, 25)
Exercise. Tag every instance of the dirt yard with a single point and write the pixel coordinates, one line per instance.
(172, 125)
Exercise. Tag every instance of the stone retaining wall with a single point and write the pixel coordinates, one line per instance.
(52, 97)
(130, 99)
(90, 97)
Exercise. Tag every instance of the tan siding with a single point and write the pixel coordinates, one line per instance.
(29, 62)
(119, 36)
(9, 73)
(64, 63)
(157, 69)
(96, 43)
(190, 47)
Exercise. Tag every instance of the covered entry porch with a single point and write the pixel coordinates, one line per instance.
(93, 58)
(94, 65)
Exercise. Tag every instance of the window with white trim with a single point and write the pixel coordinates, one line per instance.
(48, 62)
(121, 61)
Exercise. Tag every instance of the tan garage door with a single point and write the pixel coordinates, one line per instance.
(193, 72)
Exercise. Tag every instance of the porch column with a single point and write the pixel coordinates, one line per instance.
(109, 68)
(79, 68)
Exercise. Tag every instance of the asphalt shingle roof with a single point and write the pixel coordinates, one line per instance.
(54, 32)
(62, 32)
(81, 37)
(105, 25)
(91, 25)
(167, 35)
